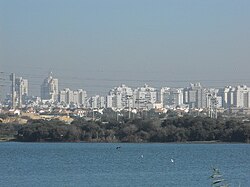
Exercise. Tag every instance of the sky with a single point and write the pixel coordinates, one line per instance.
(99, 44)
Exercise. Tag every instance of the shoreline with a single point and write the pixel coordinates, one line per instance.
(188, 142)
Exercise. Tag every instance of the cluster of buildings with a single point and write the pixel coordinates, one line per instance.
(19, 90)
(193, 97)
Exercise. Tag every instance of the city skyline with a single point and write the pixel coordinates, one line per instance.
(73, 83)
(100, 44)
(192, 97)
(144, 92)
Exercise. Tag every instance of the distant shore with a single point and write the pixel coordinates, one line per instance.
(187, 142)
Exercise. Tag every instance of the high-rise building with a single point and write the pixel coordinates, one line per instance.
(120, 97)
(19, 90)
(242, 96)
(171, 97)
(177, 97)
(49, 89)
(224, 93)
(63, 97)
(145, 97)
(13, 90)
(109, 103)
(81, 97)
(77, 97)
(97, 102)
(196, 96)
(238, 96)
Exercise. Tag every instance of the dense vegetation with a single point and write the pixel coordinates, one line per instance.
(172, 129)
(8, 131)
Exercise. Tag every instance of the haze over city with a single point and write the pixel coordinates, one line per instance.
(96, 45)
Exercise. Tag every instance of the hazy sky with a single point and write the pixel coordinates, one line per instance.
(99, 44)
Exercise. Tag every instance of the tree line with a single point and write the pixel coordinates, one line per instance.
(172, 129)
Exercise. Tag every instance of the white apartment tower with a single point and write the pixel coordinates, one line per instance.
(49, 89)
(77, 97)
(227, 95)
(109, 103)
(120, 97)
(238, 96)
(171, 97)
(97, 102)
(145, 97)
(242, 97)
(19, 90)
(195, 96)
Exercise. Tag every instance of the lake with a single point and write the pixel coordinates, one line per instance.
(104, 164)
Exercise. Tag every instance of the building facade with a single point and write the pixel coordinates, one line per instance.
(195, 96)
(19, 90)
(76, 97)
(49, 89)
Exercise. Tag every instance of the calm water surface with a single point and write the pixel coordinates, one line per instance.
(100, 164)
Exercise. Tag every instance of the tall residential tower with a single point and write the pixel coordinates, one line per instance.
(19, 90)
(49, 89)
